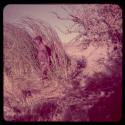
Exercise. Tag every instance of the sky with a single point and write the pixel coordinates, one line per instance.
(13, 12)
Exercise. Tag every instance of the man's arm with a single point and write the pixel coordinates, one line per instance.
(48, 50)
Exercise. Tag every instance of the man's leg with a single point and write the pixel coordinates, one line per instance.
(44, 71)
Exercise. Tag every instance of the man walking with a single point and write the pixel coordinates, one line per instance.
(43, 56)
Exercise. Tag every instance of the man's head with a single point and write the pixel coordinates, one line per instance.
(38, 40)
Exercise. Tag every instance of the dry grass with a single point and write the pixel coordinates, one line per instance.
(21, 67)
(24, 88)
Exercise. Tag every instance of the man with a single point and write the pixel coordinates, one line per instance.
(43, 56)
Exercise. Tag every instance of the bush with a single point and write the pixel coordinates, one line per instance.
(46, 110)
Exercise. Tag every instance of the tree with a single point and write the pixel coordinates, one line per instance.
(98, 24)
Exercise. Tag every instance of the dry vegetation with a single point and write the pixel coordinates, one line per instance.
(77, 85)
(22, 73)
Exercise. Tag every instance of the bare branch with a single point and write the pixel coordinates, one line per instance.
(64, 8)
(76, 38)
(61, 18)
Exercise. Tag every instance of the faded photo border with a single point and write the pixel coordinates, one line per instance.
(3, 5)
